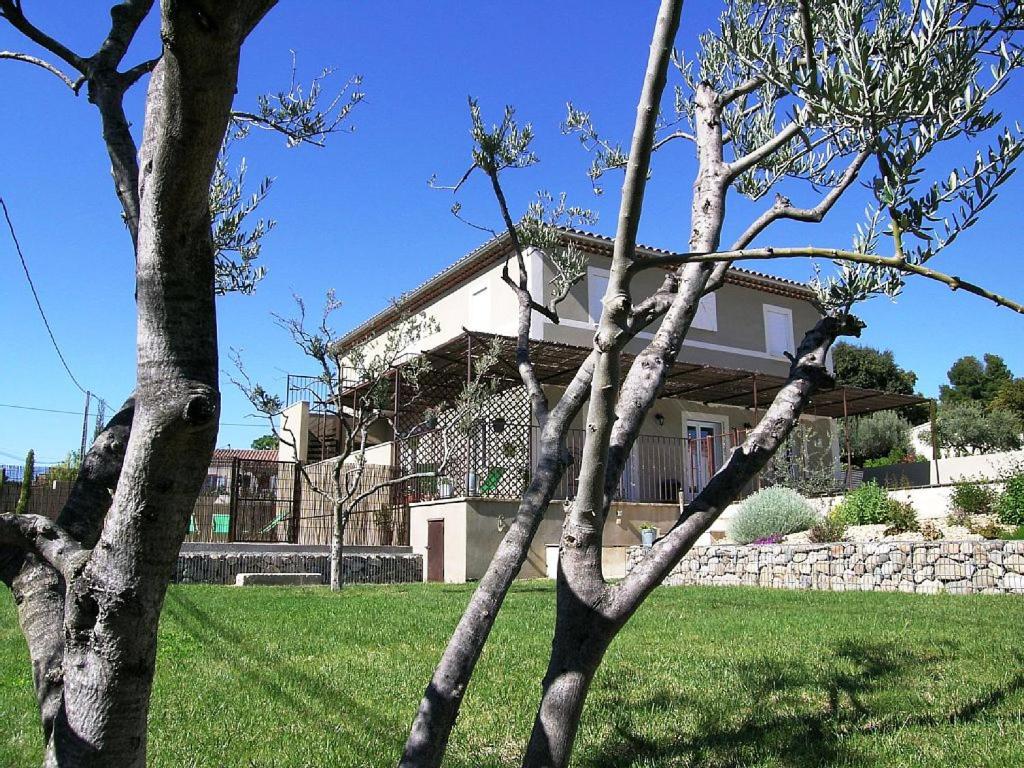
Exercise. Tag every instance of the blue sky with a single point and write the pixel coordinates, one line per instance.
(359, 216)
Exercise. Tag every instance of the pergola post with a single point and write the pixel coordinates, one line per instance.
(846, 435)
(753, 379)
(936, 450)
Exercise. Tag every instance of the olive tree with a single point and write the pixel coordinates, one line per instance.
(820, 92)
(90, 585)
(354, 390)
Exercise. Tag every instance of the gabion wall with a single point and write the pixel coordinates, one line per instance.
(927, 567)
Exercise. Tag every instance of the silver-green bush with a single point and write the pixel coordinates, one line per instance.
(774, 511)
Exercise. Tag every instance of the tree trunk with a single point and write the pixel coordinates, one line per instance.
(337, 548)
(112, 593)
(582, 636)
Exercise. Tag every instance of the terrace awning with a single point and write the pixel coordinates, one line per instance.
(556, 364)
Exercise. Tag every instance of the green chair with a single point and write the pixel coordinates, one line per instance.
(275, 522)
(192, 527)
(222, 524)
(491, 482)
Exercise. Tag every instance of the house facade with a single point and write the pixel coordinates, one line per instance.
(732, 363)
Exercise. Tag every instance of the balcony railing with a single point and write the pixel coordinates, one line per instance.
(657, 471)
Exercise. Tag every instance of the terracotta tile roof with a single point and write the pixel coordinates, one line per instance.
(226, 454)
(481, 257)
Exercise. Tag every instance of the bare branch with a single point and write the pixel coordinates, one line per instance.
(751, 159)
(782, 209)
(74, 85)
(808, 374)
(11, 10)
(954, 282)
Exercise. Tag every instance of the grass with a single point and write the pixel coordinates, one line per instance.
(276, 678)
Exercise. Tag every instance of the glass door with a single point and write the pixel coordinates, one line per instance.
(702, 453)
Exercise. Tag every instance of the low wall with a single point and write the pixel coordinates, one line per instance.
(210, 566)
(970, 567)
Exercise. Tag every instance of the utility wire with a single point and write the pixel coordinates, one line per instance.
(35, 295)
(79, 413)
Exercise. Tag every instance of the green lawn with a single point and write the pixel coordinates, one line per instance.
(702, 676)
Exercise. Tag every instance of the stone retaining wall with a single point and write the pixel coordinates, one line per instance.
(969, 567)
(213, 567)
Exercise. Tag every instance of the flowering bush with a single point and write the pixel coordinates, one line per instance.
(774, 511)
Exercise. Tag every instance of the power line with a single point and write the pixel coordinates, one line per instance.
(35, 295)
(79, 413)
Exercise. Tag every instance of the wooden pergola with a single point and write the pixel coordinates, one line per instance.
(556, 364)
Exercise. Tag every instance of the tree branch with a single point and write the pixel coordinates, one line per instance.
(11, 10)
(808, 374)
(954, 282)
(755, 156)
(74, 85)
(782, 209)
(41, 536)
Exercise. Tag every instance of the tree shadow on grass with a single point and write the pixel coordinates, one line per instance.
(788, 714)
(281, 680)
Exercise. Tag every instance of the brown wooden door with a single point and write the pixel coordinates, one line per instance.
(435, 550)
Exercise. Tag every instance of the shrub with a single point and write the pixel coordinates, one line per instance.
(867, 505)
(1017, 534)
(1010, 506)
(885, 434)
(829, 528)
(902, 518)
(772, 511)
(989, 530)
(972, 499)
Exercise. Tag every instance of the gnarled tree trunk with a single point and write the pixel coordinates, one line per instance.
(90, 587)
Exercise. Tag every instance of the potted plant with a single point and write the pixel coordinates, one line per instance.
(445, 487)
(648, 533)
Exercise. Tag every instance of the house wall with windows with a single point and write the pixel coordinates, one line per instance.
(747, 324)
(735, 327)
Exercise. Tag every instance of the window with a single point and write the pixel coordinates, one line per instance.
(479, 309)
(706, 318)
(778, 330)
(597, 284)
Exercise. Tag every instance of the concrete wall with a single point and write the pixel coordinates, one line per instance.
(987, 466)
(474, 528)
(453, 512)
(989, 567)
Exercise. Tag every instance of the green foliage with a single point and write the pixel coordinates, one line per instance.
(966, 427)
(803, 462)
(67, 470)
(973, 381)
(1010, 397)
(885, 434)
(973, 499)
(829, 528)
(902, 518)
(867, 505)
(1010, 506)
(772, 511)
(265, 443)
(26, 483)
(870, 368)
(1017, 534)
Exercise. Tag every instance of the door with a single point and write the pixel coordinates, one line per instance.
(435, 550)
(702, 453)
(551, 561)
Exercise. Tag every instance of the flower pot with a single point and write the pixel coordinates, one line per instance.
(647, 536)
